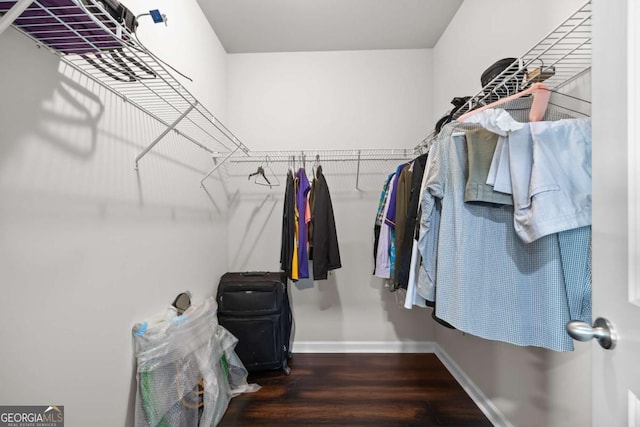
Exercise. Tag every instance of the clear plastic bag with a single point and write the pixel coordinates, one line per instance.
(187, 369)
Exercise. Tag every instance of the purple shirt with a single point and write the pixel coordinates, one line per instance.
(301, 203)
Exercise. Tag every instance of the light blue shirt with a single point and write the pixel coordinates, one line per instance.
(489, 282)
(550, 167)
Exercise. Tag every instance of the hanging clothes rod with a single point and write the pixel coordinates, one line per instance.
(355, 159)
(361, 154)
(93, 43)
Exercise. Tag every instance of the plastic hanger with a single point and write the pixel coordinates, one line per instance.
(261, 177)
(260, 173)
(541, 95)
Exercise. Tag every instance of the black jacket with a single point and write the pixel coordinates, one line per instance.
(326, 254)
(288, 227)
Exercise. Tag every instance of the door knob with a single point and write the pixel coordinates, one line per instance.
(602, 331)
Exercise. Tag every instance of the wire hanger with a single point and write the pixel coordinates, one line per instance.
(424, 145)
(304, 161)
(261, 177)
(316, 163)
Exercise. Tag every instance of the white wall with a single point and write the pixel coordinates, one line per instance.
(345, 99)
(87, 246)
(329, 100)
(531, 387)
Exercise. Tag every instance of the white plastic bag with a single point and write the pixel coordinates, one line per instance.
(187, 369)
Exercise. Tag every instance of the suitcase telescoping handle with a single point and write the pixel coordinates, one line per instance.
(268, 276)
(255, 274)
(279, 276)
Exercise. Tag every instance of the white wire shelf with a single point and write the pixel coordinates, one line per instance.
(561, 57)
(92, 42)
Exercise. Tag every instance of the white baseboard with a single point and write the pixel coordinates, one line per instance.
(481, 400)
(363, 347)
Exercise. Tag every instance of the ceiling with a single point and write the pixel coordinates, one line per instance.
(248, 26)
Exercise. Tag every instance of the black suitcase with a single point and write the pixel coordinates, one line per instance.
(254, 307)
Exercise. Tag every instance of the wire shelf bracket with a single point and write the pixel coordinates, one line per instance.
(12, 14)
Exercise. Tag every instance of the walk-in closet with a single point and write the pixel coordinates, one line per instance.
(147, 154)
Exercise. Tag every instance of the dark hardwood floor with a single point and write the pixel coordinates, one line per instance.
(357, 390)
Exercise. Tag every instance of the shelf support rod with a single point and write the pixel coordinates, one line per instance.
(358, 173)
(12, 14)
(165, 132)
(218, 165)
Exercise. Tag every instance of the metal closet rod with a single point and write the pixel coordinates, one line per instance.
(354, 159)
(320, 155)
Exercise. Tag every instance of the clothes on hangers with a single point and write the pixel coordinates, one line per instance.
(488, 281)
(308, 228)
(468, 262)
(396, 220)
(407, 261)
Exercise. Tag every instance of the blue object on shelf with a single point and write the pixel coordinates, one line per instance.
(156, 16)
